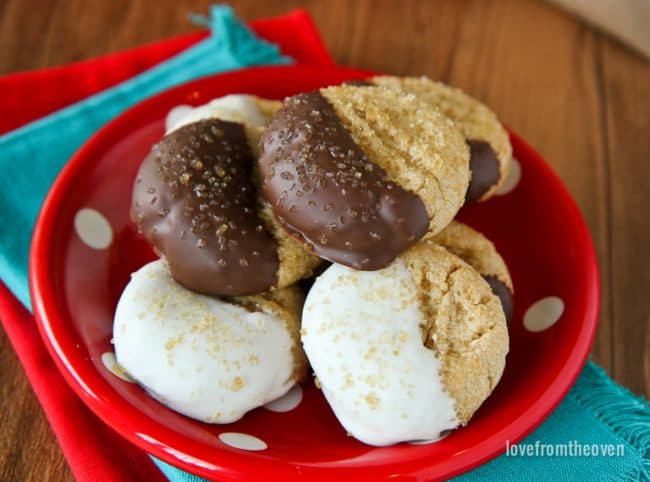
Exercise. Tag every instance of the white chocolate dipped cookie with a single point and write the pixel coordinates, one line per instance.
(241, 108)
(406, 352)
(208, 358)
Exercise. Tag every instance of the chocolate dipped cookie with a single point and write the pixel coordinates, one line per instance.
(196, 200)
(359, 175)
(490, 149)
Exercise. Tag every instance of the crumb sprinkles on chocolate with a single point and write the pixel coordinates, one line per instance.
(196, 202)
(329, 193)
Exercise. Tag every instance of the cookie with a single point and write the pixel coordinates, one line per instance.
(490, 148)
(479, 252)
(196, 200)
(208, 358)
(406, 352)
(241, 108)
(359, 175)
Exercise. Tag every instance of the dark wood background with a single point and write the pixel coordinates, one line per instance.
(580, 97)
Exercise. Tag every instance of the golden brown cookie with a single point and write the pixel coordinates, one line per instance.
(359, 174)
(491, 152)
(408, 351)
(196, 199)
(464, 324)
(479, 252)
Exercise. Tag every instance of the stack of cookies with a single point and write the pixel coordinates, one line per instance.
(405, 326)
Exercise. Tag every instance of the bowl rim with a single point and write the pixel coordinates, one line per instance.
(234, 464)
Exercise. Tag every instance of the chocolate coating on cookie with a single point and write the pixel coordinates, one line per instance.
(325, 190)
(484, 166)
(195, 201)
(504, 294)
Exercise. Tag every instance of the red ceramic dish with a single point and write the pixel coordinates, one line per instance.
(75, 287)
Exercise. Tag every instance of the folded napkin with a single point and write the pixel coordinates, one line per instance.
(596, 411)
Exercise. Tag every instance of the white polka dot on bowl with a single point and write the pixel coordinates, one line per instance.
(514, 176)
(109, 361)
(287, 402)
(242, 441)
(93, 229)
(543, 314)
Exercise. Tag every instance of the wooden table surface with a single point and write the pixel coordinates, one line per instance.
(581, 98)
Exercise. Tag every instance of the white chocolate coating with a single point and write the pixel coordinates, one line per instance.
(201, 356)
(240, 108)
(361, 332)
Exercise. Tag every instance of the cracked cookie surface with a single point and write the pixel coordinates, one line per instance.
(464, 324)
(408, 351)
(419, 149)
(491, 151)
(359, 175)
(480, 253)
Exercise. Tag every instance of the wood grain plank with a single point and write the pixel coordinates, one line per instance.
(82, 29)
(24, 25)
(402, 37)
(626, 83)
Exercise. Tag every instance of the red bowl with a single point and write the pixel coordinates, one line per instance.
(75, 287)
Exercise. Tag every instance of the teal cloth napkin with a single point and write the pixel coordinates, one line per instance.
(596, 411)
(46, 145)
